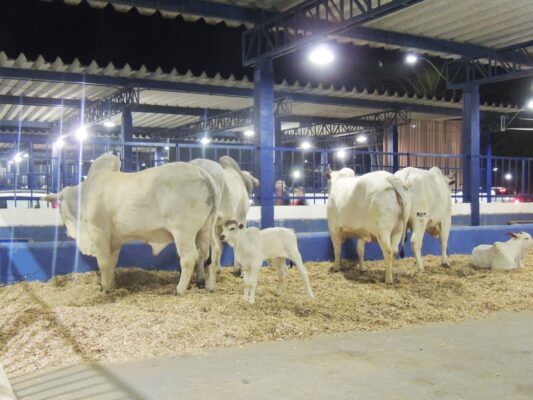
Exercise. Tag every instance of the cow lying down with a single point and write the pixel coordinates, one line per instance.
(252, 246)
(503, 255)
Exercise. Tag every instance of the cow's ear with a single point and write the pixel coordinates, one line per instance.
(328, 172)
(52, 197)
(512, 235)
(241, 226)
(452, 178)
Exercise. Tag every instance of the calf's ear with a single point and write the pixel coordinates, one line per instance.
(328, 172)
(241, 226)
(512, 235)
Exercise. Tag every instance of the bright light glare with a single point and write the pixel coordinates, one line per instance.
(296, 174)
(411, 59)
(341, 154)
(508, 176)
(248, 132)
(166, 147)
(530, 104)
(81, 133)
(109, 124)
(25, 155)
(361, 139)
(59, 143)
(306, 145)
(205, 140)
(413, 126)
(495, 169)
(516, 200)
(17, 158)
(321, 55)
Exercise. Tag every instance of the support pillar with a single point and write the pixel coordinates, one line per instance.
(278, 156)
(265, 138)
(471, 152)
(488, 183)
(392, 147)
(126, 131)
(56, 168)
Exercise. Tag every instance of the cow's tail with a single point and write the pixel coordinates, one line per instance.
(403, 198)
(217, 198)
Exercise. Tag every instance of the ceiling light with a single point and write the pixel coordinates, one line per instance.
(81, 133)
(508, 176)
(341, 154)
(109, 124)
(17, 158)
(248, 132)
(205, 140)
(306, 145)
(361, 139)
(59, 142)
(296, 174)
(166, 147)
(321, 55)
(530, 104)
(495, 169)
(411, 59)
(25, 155)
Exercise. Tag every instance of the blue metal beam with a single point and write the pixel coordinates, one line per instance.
(264, 126)
(25, 124)
(309, 21)
(76, 78)
(471, 151)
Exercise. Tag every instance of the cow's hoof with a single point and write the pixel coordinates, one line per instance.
(446, 265)
(334, 269)
(200, 284)
(237, 273)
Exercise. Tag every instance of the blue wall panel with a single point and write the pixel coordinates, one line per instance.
(41, 261)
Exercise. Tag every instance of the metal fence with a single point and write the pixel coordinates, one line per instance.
(299, 173)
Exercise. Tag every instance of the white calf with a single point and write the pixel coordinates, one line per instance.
(503, 255)
(252, 246)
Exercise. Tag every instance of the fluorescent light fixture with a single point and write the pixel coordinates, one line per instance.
(321, 55)
(361, 139)
(341, 154)
(17, 158)
(306, 145)
(508, 176)
(82, 133)
(296, 174)
(411, 59)
(109, 124)
(249, 132)
(205, 140)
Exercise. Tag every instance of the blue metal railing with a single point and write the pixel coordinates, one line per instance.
(299, 173)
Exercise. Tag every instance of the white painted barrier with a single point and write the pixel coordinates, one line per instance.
(6, 391)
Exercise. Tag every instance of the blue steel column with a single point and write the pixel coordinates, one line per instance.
(56, 168)
(324, 162)
(392, 146)
(278, 157)
(127, 136)
(471, 170)
(488, 183)
(264, 138)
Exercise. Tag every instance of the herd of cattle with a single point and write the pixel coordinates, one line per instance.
(199, 204)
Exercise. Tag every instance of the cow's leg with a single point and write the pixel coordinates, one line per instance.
(279, 263)
(388, 255)
(188, 254)
(250, 281)
(361, 254)
(417, 236)
(336, 240)
(445, 227)
(296, 258)
(203, 242)
(107, 262)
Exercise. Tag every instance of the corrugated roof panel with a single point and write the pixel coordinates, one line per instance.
(490, 23)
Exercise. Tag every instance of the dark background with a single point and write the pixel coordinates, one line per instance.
(53, 29)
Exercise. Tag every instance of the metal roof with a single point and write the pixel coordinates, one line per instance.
(332, 102)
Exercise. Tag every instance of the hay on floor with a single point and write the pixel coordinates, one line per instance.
(68, 319)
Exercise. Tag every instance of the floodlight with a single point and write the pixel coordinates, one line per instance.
(508, 176)
(296, 174)
(411, 59)
(306, 145)
(361, 139)
(341, 154)
(530, 104)
(82, 133)
(248, 132)
(17, 158)
(59, 142)
(205, 140)
(321, 55)
(109, 124)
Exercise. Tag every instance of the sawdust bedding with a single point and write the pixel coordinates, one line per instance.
(68, 319)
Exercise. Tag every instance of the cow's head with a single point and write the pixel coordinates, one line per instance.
(526, 237)
(68, 207)
(249, 181)
(230, 229)
(333, 176)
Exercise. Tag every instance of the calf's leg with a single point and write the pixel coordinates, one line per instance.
(336, 240)
(279, 263)
(388, 255)
(188, 254)
(361, 254)
(296, 258)
(445, 227)
(107, 262)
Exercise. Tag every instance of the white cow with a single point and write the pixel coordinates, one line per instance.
(503, 255)
(174, 202)
(252, 246)
(430, 206)
(369, 207)
(236, 187)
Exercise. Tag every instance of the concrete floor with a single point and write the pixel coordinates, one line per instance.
(489, 359)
